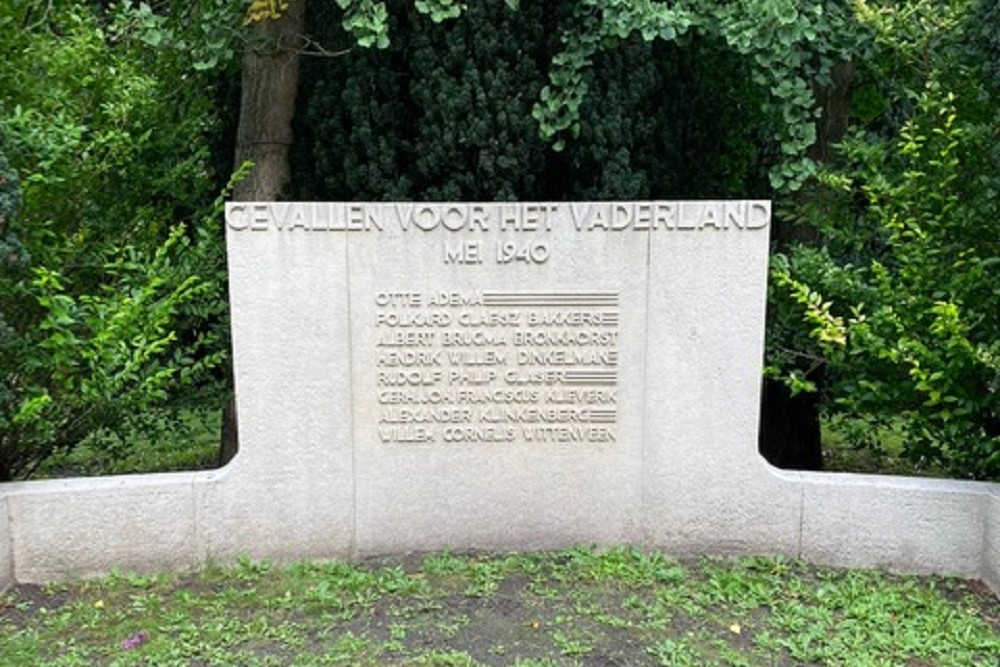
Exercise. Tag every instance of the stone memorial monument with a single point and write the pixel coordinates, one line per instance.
(504, 375)
(417, 376)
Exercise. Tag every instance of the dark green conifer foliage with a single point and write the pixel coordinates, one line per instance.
(667, 122)
(346, 128)
(614, 152)
(444, 113)
(473, 87)
(984, 28)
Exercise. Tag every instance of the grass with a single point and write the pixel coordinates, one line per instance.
(875, 451)
(579, 607)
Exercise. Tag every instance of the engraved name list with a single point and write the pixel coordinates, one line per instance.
(497, 366)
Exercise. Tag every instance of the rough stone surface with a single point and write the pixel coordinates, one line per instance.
(705, 346)
(991, 542)
(291, 487)
(6, 560)
(84, 527)
(496, 376)
(905, 524)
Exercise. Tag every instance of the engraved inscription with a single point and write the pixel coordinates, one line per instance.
(520, 220)
(497, 366)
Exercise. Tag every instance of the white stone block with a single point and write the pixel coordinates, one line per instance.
(897, 523)
(85, 527)
(991, 542)
(6, 556)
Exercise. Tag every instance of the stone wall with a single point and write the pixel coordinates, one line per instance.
(990, 568)
(6, 559)
(522, 376)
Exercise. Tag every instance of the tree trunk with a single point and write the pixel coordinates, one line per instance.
(835, 102)
(789, 434)
(789, 429)
(264, 135)
(267, 104)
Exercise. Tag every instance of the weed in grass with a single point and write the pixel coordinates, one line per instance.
(652, 615)
(348, 648)
(627, 566)
(572, 645)
(486, 576)
(444, 564)
(445, 659)
(679, 600)
(540, 588)
(611, 620)
(249, 569)
(535, 662)
(673, 653)
(735, 585)
(394, 646)
(450, 626)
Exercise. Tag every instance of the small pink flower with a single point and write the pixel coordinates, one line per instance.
(135, 641)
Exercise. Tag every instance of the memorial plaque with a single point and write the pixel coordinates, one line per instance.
(497, 366)
(496, 355)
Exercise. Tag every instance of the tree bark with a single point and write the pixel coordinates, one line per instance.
(264, 135)
(835, 102)
(267, 104)
(790, 434)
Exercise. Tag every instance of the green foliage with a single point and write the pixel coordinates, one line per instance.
(596, 24)
(13, 260)
(114, 307)
(93, 114)
(791, 47)
(982, 28)
(439, 10)
(461, 126)
(453, 130)
(901, 303)
(367, 21)
(645, 132)
(185, 439)
(202, 36)
(10, 194)
(103, 363)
